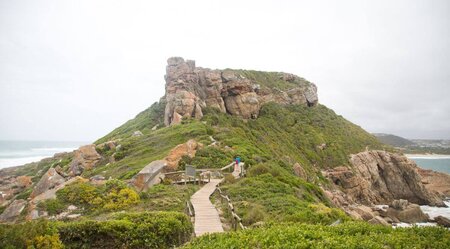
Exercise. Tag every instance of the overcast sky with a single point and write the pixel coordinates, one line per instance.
(75, 70)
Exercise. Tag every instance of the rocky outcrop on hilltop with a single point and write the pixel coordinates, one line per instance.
(380, 177)
(189, 89)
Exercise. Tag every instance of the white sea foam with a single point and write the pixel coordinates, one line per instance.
(434, 212)
(10, 162)
(424, 156)
(53, 149)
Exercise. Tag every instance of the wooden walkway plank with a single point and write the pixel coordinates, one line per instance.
(207, 218)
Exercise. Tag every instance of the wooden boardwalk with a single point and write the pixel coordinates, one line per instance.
(207, 218)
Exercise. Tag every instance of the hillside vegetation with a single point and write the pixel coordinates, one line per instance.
(393, 140)
(284, 150)
(348, 236)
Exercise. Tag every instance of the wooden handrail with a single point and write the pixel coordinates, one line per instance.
(236, 221)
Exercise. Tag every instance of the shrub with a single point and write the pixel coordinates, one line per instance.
(256, 213)
(119, 155)
(347, 235)
(257, 170)
(229, 178)
(114, 195)
(47, 242)
(35, 234)
(130, 230)
(24, 194)
(52, 206)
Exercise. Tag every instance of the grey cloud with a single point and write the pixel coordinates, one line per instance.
(76, 70)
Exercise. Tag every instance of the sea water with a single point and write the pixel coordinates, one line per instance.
(15, 153)
(436, 163)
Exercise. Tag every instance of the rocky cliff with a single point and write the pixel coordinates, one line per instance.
(380, 177)
(189, 89)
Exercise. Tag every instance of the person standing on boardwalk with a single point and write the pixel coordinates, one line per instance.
(238, 161)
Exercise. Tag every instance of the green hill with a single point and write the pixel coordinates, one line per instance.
(393, 140)
(273, 147)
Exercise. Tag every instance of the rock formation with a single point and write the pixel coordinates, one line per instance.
(379, 177)
(189, 89)
(187, 149)
(149, 175)
(402, 210)
(441, 220)
(84, 158)
(49, 180)
(13, 211)
(436, 182)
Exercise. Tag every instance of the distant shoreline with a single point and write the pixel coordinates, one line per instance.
(427, 156)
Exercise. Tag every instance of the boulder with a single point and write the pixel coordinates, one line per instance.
(49, 180)
(187, 149)
(51, 193)
(149, 175)
(409, 214)
(84, 158)
(442, 221)
(13, 211)
(365, 212)
(377, 220)
(380, 177)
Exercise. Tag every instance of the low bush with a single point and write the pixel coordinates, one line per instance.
(123, 230)
(37, 234)
(114, 195)
(52, 206)
(347, 235)
(129, 230)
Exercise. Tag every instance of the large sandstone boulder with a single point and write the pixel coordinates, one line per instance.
(84, 158)
(189, 89)
(187, 149)
(49, 180)
(149, 175)
(380, 177)
(406, 212)
(13, 211)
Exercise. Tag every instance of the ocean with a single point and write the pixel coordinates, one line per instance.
(440, 163)
(15, 153)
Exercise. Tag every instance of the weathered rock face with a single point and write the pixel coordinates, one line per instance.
(84, 158)
(187, 149)
(149, 175)
(380, 177)
(189, 89)
(404, 211)
(436, 182)
(49, 180)
(13, 210)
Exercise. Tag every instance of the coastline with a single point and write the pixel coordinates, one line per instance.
(427, 156)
